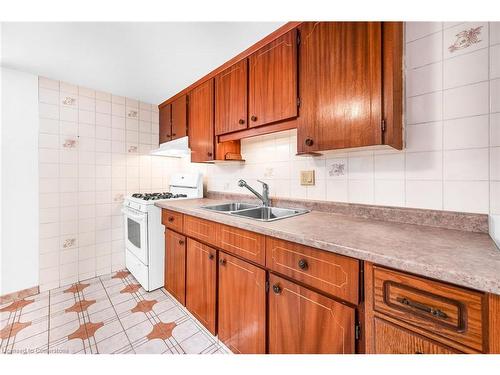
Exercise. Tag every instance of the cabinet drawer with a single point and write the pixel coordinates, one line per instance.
(442, 309)
(201, 229)
(249, 245)
(391, 339)
(334, 274)
(172, 220)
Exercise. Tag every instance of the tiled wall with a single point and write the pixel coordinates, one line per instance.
(452, 155)
(93, 150)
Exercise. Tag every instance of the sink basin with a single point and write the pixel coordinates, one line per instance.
(230, 207)
(269, 213)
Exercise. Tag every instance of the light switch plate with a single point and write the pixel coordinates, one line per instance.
(307, 178)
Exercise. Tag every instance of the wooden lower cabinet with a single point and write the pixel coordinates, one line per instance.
(242, 305)
(175, 265)
(304, 322)
(201, 281)
(391, 339)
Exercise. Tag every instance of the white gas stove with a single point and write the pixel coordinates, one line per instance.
(144, 232)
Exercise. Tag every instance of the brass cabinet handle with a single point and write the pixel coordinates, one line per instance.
(241, 122)
(181, 242)
(253, 118)
(210, 256)
(222, 262)
(421, 307)
(303, 264)
(170, 219)
(276, 289)
(309, 142)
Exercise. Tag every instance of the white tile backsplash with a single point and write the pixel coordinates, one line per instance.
(428, 78)
(424, 108)
(465, 165)
(424, 137)
(466, 69)
(417, 30)
(424, 51)
(468, 132)
(468, 196)
(464, 101)
(81, 147)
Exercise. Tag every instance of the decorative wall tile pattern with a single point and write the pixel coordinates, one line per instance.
(452, 135)
(91, 157)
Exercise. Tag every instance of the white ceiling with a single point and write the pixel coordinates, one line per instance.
(146, 61)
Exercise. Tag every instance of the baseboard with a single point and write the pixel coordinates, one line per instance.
(20, 294)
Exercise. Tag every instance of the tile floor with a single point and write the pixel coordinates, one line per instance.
(107, 314)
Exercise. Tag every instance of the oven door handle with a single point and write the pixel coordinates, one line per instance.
(131, 215)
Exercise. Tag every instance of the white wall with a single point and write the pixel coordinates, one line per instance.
(19, 149)
(94, 150)
(452, 156)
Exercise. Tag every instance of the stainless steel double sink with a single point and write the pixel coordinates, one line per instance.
(255, 212)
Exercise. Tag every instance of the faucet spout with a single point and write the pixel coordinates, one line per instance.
(264, 197)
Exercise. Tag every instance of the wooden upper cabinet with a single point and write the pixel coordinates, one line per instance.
(231, 99)
(201, 282)
(304, 322)
(165, 123)
(272, 82)
(175, 265)
(340, 80)
(242, 305)
(179, 117)
(201, 122)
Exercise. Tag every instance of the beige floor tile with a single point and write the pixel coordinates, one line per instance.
(117, 343)
(196, 344)
(152, 347)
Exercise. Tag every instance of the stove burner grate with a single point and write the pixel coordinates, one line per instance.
(157, 196)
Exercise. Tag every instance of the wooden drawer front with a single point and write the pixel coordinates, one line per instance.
(248, 245)
(172, 220)
(334, 274)
(391, 339)
(305, 322)
(444, 310)
(203, 230)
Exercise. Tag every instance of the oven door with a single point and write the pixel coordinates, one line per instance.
(136, 233)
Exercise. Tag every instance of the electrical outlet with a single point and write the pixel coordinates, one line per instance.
(307, 178)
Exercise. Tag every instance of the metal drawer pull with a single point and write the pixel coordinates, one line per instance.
(303, 264)
(170, 219)
(420, 306)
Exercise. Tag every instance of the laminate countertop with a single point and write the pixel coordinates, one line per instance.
(463, 258)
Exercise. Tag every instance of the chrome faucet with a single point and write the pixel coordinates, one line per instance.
(264, 197)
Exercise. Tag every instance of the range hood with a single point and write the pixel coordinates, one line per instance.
(177, 148)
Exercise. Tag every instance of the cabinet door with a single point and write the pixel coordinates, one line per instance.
(175, 265)
(231, 99)
(201, 122)
(165, 123)
(179, 117)
(201, 274)
(304, 322)
(272, 85)
(391, 339)
(340, 80)
(242, 305)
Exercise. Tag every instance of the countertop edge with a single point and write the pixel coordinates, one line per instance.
(438, 273)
